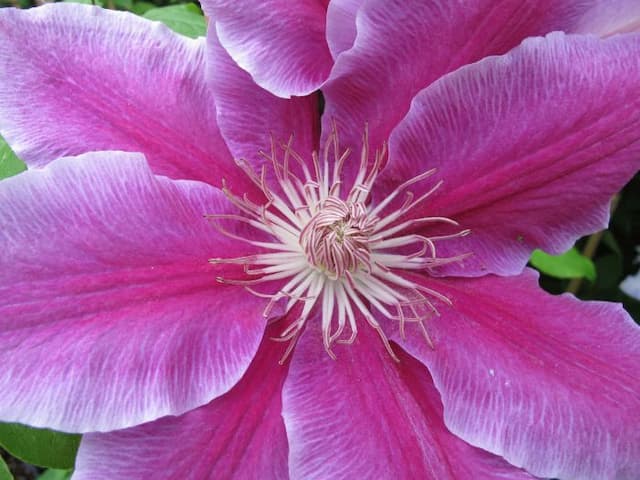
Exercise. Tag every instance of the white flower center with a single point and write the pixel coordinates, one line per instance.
(336, 239)
(337, 254)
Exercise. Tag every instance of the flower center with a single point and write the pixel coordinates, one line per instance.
(336, 239)
(333, 255)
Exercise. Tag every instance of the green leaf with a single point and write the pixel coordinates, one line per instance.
(123, 4)
(186, 19)
(53, 474)
(38, 446)
(10, 164)
(99, 3)
(5, 474)
(571, 264)
(140, 8)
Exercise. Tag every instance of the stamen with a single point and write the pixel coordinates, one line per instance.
(332, 255)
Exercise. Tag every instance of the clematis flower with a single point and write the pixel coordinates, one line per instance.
(177, 218)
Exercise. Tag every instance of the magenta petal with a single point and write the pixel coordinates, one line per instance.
(531, 146)
(341, 25)
(78, 78)
(549, 382)
(250, 117)
(366, 416)
(608, 17)
(111, 315)
(404, 46)
(240, 435)
(280, 43)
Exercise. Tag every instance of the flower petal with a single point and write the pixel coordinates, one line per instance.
(250, 117)
(282, 45)
(609, 17)
(78, 78)
(111, 315)
(341, 25)
(402, 46)
(552, 124)
(366, 416)
(551, 383)
(239, 435)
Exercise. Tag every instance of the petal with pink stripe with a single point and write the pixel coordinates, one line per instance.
(111, 313)
(366, 416)
(78, 78)
(530, 146)
(551, 383)
(281, 44)
(239, 435)
(402, 46)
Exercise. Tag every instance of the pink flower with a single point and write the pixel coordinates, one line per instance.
(450, 362)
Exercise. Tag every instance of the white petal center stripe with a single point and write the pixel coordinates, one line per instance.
(335, 252)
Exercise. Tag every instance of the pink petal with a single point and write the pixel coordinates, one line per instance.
(240, 435)
(77, 78)
(250, 118)
(366, 416)
(609, 17)
(281, 44)
(341, 25)
(531, 146)
(403, 46)
(548, 382)
(111, 314)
